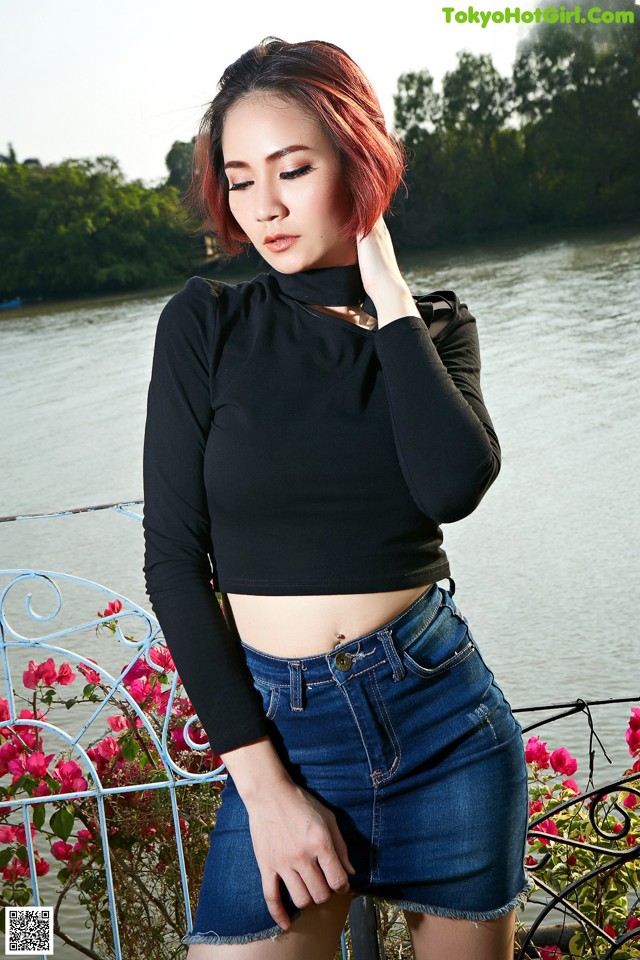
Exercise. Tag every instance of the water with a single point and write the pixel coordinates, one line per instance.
(546, 568)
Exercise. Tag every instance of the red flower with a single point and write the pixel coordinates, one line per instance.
(550, 953)
(37, 763)
(65, 675)
(563, 763)
(92, 675)
(633, 922)
(61, 850)
(536, 752)
(69, 773)
(547, 826)
(162, 658)
(630, 801)
(571, 785)
(633, 739)
(610, 930)
(108, 748)
(35, 672)
(111, 609)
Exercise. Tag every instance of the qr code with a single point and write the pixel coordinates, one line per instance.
(28, 931)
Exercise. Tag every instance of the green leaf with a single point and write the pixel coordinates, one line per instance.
(39, 815)
(5, 856)
(62, 821)
(129, 748)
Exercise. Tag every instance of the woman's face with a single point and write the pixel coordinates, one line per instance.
(285, 182)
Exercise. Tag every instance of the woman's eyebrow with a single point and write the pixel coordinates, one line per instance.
(276, 155)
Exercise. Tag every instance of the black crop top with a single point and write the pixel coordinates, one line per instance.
(288, 451)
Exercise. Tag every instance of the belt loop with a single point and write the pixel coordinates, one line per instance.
(392, 654)
(295, 674)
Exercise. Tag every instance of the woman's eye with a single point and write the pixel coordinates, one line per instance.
(292, 174)
(239, 186)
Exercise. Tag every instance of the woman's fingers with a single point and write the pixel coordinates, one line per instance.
(271, 892)
(341, 849)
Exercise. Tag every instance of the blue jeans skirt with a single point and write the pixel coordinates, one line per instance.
(405, 735)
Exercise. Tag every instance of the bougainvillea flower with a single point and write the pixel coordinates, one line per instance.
(35, 672)
(550, 953)
(37, 764)
(118, 723)
(571, 785)
(563, 763)
(547, 826)
(69, 773)
(92, 675)
(111, 609)
(633, 739)
(61, 850)
(536, 752)
(162, 658)
(65, 675)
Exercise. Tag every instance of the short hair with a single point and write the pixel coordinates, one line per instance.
(331, 88)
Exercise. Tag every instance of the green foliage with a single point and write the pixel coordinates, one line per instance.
(78, 227)
(557, 143)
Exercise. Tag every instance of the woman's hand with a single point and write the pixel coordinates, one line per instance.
(381, 275)
(295, 838)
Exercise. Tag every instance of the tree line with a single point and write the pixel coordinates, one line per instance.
(555, 144)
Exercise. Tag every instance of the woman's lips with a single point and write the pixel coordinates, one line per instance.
(281, 243)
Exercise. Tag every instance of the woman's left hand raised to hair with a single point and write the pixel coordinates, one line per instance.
(381, 275)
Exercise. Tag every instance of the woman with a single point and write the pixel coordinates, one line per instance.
(307, 431)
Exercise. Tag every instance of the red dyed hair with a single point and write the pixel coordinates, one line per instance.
(331, 88)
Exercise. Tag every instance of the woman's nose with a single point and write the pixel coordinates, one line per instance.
(269, 204)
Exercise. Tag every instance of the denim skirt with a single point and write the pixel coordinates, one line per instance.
(404, 734)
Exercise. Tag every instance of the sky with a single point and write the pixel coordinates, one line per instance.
(129, 77)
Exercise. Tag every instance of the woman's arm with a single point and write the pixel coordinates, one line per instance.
(446, 444)
(208, 657)
(295, 838)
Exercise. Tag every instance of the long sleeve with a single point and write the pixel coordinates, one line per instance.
(446, 444)
(177, 567)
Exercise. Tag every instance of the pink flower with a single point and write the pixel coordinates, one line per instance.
(563, 763)
(547, 826)
(630, 801)
(536, 752)
(35, 672)
(632, 737)
(65, 675)
(61, 850)
(92, 675)
(37, 764)
(69, 773)
(7, 833)
(162, 658)
(111, 609)
(117, 723)
(21, 835)
(550, 953)
(108, 748)
(634, 720)
(571, 786)
(633, 922)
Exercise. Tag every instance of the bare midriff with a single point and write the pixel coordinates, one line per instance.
(303, 626)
